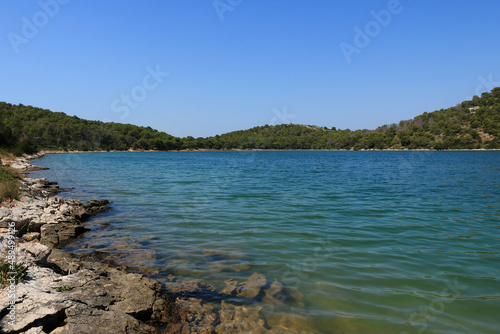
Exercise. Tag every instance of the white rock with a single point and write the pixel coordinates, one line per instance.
(50, 210)
(35, 330)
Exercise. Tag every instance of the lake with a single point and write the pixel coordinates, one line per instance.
(370, 242)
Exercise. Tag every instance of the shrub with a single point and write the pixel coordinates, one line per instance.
(63, 288)
(8, 185)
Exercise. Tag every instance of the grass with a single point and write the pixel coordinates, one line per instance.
(9, 188)
(6, 156)
(20, 270)
(63, 288)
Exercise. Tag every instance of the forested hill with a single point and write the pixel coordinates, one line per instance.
(31, 126)
(469, 125)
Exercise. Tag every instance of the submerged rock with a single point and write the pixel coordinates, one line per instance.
(252, 288)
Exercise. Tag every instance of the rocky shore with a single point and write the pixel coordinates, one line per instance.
(66, 293)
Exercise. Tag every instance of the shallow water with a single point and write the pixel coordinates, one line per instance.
(376, 242)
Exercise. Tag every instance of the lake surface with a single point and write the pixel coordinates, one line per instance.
(371, 242)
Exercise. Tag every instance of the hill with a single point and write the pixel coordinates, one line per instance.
(26, 126)
(471, 124)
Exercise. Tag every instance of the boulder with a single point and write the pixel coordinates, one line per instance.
(94, 207)
(61, 233)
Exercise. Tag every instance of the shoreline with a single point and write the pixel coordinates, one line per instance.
(64, 292)
(44, 152)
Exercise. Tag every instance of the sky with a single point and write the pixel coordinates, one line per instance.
(205, 67)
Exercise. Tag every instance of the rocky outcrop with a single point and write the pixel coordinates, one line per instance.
(95, 298)
(23, 164)
(57, 220)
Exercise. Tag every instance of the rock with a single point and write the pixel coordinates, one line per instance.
(35, 250)
(94, 256)
(50, 210)
(135, 296)
(54, 200)
(82, 320)
(35, 303)
(56, 234)
(35, 330)
(196, 317)
(94, 207)
(31, 236)
(35, 224)
(240, 319)
(96, 299)
(231, 287)
(251, 288)
(62, 262)
(190, 288)
(274, 289)
(21, 222)
(64, 209)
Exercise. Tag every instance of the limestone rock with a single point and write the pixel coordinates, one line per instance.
(31, 236)
(32, 250)
(82, 320)
(62, 262)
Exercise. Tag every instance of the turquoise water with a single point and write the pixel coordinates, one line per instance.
(375, 242)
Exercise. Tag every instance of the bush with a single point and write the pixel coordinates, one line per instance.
(8, 185)
(494, 144)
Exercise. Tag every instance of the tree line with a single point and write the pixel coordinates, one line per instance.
(471, 124)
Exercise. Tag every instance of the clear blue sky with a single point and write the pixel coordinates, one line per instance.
(266, 62)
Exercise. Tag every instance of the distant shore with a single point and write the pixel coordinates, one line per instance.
(44, 152)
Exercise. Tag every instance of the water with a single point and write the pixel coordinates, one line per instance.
(376, 242)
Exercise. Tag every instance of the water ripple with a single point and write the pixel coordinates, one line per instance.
(377, 242)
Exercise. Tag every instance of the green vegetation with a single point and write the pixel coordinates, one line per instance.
(63, 288)
(20, 270)
(469, 125)
(56, 130)
(9, 188)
